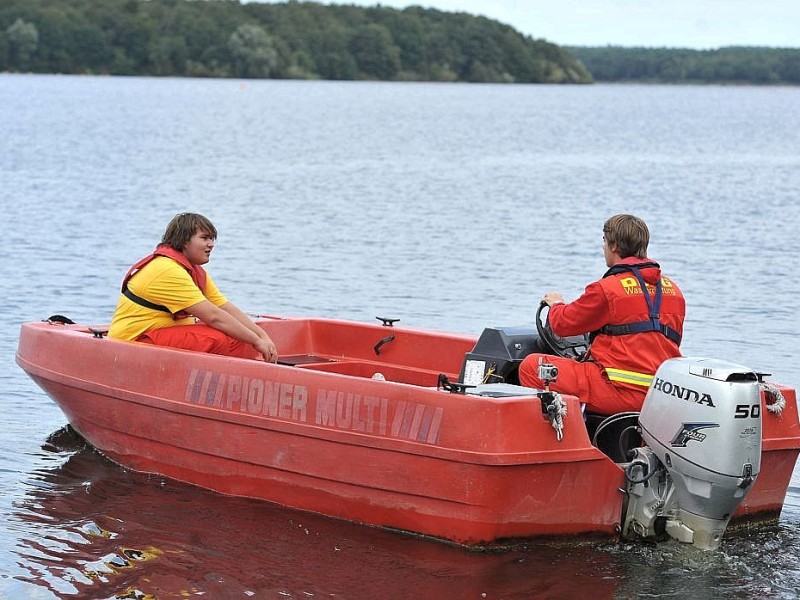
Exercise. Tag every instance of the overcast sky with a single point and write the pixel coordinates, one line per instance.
(669, 23)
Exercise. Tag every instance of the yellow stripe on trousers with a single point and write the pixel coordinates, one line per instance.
(631, 377)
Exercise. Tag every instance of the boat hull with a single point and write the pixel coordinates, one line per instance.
(322, 435)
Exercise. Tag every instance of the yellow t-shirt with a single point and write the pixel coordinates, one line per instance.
(161, 281)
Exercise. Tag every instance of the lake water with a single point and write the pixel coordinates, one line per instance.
(452, 207)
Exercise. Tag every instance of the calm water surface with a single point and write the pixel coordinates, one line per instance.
(452, 207)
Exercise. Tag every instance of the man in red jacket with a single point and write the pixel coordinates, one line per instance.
(634, 316)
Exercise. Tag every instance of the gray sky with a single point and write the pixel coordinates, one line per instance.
(668, 23)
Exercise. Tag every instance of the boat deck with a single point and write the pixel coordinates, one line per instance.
(369, 351)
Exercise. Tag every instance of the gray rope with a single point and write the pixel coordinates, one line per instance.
(556, 411)
(772, 391)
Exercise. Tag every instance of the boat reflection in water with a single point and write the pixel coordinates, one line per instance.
(106, 532)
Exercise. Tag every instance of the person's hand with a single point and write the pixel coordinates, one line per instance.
(267, 349)
(551, 298)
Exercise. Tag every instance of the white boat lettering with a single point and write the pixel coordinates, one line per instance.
(333, 409)
(251, 396)
(371, 414)
(346, 410)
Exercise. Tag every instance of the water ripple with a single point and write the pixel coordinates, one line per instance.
(451, 207)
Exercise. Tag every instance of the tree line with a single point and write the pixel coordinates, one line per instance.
(749, 65)
(308, 40)
(300, 40)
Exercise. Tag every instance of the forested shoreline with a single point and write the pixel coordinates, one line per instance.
(736, 65)
(308, 40)
(298, 40)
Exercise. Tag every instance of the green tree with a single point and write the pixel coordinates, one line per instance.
(672, 69)
(3, 51)
(789, 68)
(332, 56)
(253, 51)
(23, 39)
(374, 51)
(168, 55)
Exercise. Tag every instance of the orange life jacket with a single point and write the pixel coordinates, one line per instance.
(197, 273)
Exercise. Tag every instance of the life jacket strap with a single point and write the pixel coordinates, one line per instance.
(631, 377)
(142, 302)
(642, 327)
(653, 310)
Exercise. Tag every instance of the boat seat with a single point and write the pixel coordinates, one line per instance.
(614, 435)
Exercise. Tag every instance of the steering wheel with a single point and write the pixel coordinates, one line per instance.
(574, 347)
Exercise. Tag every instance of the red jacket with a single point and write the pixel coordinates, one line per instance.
(629, 360)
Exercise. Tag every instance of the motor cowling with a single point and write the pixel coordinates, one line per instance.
(701, 419)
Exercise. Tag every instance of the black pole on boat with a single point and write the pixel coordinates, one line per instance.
(386, 340)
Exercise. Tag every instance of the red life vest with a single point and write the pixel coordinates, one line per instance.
(643, 331)
(197, 273)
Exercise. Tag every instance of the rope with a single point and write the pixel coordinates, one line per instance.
(778, 401)
(556, 411)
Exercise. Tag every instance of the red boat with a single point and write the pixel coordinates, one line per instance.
(372, 423)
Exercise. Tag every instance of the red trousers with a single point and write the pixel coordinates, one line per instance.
(200, 337)
(586, 380)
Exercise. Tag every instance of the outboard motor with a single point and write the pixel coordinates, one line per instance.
(701, 422)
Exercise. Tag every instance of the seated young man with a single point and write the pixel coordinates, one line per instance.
(168, 299)
(634, 316)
